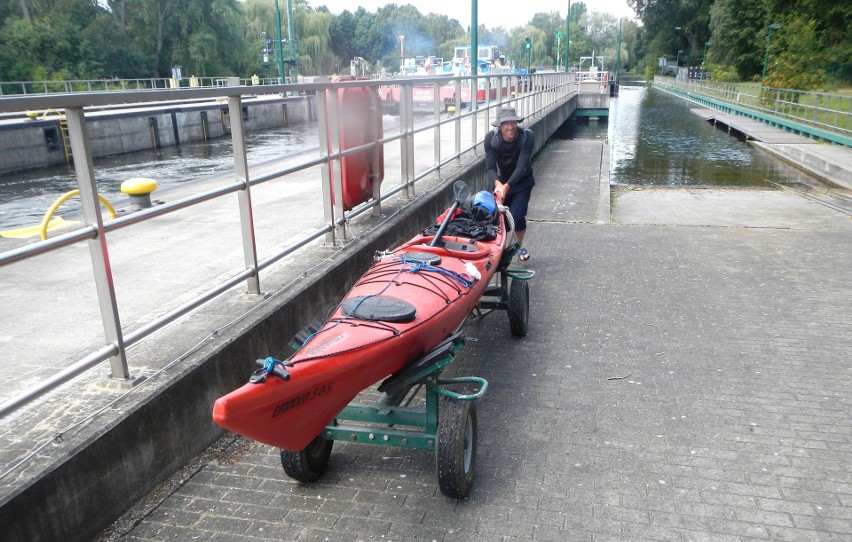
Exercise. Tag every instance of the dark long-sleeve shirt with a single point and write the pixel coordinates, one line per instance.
(510, 162)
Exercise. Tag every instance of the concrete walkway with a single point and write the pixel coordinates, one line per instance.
(686, 377)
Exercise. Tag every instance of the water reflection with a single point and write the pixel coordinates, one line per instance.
(655, 140)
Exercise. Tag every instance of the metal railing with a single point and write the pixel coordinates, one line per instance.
(823, 112)
(23, 88)
(540, 94)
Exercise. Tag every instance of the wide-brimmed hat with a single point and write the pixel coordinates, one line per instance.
(507, 114)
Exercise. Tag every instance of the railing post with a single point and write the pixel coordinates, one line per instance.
(474, 108)
(458, 103)
(410, 175)
(334, 131)
(98, 245)
(325, 169)
(436, 131)
(406, 141)
(238, 140)
(497, 91)
(375, 155)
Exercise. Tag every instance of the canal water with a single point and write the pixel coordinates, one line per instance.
(654, 140)
(26, 196)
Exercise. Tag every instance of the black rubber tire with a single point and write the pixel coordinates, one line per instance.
(456, 452)
(309, 464)
(519, 307)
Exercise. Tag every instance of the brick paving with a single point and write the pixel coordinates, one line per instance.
(678, 383)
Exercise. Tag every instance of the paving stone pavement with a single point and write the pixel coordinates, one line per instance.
(678, 383)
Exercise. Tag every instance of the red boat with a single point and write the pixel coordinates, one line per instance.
(412, 298)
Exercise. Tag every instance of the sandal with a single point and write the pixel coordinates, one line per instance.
(523, 255)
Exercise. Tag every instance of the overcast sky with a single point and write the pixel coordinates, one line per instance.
(492, 13)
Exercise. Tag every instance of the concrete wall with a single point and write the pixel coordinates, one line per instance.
(117, 464)
(28, 144)
(592, 101)
(827, 163)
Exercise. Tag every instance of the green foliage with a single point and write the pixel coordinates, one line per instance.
(86, 39)
(739, 35)
(797, 62)
(722, 73)
(814, 41)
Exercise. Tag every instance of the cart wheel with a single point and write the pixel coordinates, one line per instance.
(519, 307)
(309, 464)
(456, 451)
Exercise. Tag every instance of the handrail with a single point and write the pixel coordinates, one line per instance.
(77, 86)
(542, 95)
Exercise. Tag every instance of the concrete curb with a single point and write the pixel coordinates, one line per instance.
(604, 195)
(814, 160)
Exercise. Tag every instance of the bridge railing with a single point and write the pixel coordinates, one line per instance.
(541, 94)
(76, 86)
(820, 110)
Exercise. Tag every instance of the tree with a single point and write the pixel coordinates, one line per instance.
(315, 56)
(739, 35)
(675, 25)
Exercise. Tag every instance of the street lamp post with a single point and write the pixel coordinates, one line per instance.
(706, 46)
(568, 37)
(279, 44)
(769, 30)
(558, 49)
(265, 50)
(679, 52)
(689, 51)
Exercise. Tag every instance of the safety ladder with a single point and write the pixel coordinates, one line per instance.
(66, 139)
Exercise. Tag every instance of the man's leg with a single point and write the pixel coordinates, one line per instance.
(518, 204)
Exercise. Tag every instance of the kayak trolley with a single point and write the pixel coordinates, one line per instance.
(512, 296)
(446, 424)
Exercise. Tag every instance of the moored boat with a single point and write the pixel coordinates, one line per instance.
(412, 298)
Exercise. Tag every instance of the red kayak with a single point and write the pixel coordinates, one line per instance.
(410, 300)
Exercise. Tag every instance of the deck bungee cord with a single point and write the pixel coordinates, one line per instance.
(419, 265)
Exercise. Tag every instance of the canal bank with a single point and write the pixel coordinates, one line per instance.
(618, 349)
(567, 246)
(829, 163)
(112, 444)
(684, 378)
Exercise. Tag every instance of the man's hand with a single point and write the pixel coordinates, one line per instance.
(501, 189)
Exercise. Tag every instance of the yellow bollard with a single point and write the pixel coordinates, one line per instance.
(139, 189)
(193, 81)
(255, 80)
